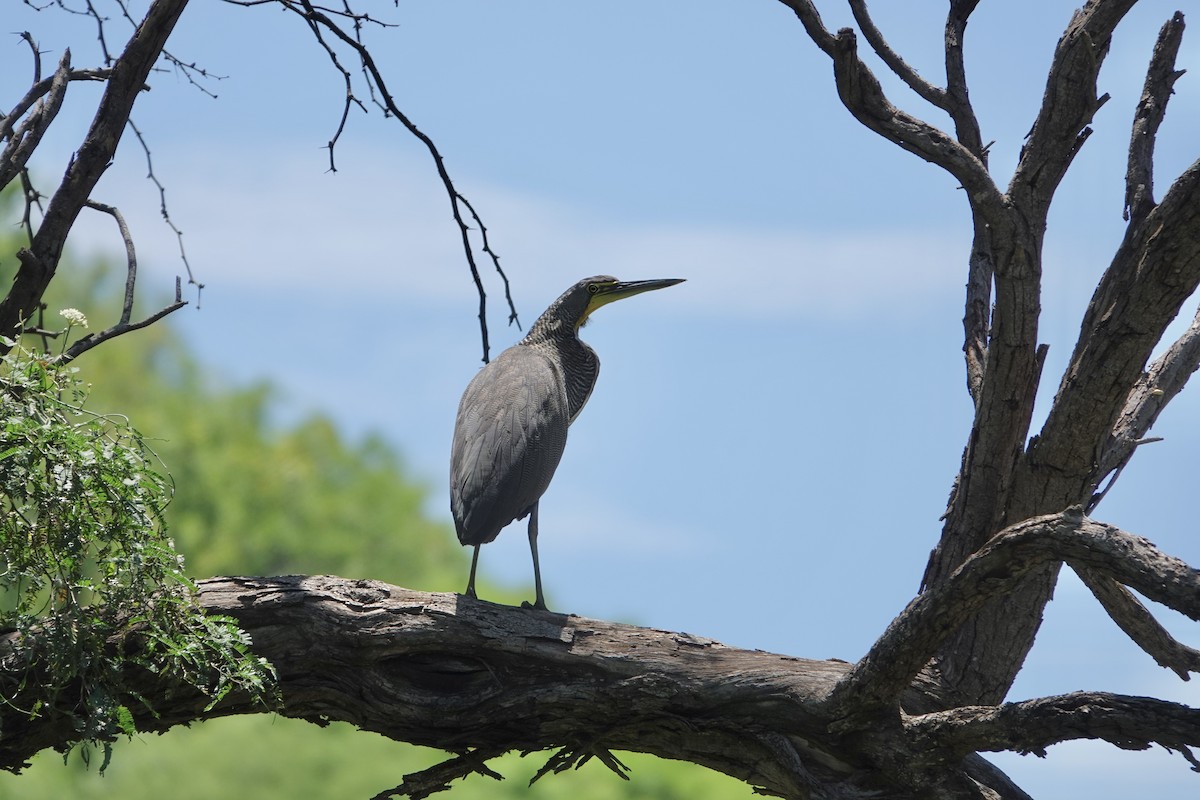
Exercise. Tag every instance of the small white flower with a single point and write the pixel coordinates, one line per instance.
(74, 316)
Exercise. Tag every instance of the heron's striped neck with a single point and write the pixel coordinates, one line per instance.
(579, 363)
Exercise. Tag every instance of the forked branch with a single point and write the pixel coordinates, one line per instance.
(863, 96)
(123, 325)
(915, 636)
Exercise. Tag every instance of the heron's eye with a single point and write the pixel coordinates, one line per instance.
(593, 288)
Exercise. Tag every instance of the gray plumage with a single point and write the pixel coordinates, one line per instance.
(512, 422)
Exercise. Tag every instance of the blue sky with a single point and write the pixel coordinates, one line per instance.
(770, 444)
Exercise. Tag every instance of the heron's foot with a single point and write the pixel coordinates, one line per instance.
(470, 592)
(539, 604)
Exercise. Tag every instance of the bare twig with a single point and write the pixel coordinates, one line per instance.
(31, 198)
(313, 16)
(162, 207)
(94, 339)
(574, 757)
(350, 99)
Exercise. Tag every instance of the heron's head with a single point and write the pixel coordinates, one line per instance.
(571, 310)
(590, 293)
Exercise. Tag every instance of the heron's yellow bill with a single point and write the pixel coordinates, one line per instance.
(605, 292)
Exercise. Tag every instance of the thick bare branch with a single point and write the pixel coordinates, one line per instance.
(1160, 81)
(1140, 625)
(479, 679)
(1131, 723)
(1155, 270)
(445, 671)
(915, 636)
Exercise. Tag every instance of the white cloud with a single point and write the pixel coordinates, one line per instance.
(382, 225)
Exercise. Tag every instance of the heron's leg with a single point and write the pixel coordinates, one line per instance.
(471, 580)
(540, 601)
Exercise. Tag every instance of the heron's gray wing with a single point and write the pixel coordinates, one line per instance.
(508, 439)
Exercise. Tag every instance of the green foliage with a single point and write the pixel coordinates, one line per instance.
(86, 558)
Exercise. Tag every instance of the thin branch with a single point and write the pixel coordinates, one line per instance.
(1160, 80)
(318, 16)
(486, 247)
(1131, 723)
(31, 198)
(349, 100)
(958, 101)
(23, 138)
(860, 92)
(94, 339)
(42, 87)
(1160, 384)
(130, 256)
(162, 209)
(935, 95)
(913, 638)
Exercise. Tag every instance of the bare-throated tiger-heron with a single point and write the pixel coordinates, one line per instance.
(512, 422)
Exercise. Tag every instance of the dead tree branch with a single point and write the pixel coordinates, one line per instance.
(1160, 81)
(1131, 723)
(129, 72)
(913, 638)
(478, 679)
